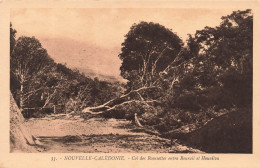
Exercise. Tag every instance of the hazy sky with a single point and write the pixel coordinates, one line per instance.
(91, 39)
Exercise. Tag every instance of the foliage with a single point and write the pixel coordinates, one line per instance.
(147, 50)
(227, 55)
(39, 84)
(28, 62)
(212, 73)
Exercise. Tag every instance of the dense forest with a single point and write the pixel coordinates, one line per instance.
(173, 86)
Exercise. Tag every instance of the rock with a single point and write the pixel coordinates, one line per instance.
(20, 138)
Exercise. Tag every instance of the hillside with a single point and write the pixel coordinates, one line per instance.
(229, 133)
(109, 78)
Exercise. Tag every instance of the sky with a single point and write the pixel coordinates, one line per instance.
(90, 39)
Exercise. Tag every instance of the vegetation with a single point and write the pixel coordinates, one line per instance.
(177, 89)
(41, 86)
(172, 85)
(147, 50)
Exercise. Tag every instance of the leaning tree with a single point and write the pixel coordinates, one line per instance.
(148, 53)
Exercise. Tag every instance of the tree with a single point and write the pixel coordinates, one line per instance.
(14, 82)
(147, 50)
(227, 55)
(12, 38)
(231, 43)
(149, 53)
(28, 61)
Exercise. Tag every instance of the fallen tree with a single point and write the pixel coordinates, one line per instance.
(130, 105)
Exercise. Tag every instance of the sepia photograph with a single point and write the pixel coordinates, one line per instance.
(131, 80)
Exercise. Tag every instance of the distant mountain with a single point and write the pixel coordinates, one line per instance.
(92, 74)
(90, 59)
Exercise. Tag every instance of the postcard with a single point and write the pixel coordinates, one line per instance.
(133, 83)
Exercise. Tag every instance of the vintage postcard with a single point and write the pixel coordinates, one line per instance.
(112, 83)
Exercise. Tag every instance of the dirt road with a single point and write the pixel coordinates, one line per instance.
(72, 134)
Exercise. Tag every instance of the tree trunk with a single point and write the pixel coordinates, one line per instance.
(134, 95)
(125, 105)
(137, 122)
(22, 95)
